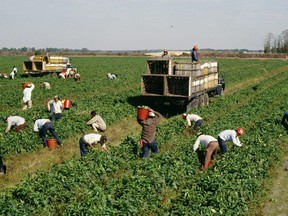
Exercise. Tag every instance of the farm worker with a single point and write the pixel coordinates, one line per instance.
(2, 171)
(96, 122)
(194, 54)
(192, 118)
(90, 140)
(3, 75)
(62, 75)
(15, 70)
(42, 126)
(13, 121)
(77, 77)
(46, 85)
(55, 108)
(31, 58)
(111, 76)
(165, 54)
(229, 135)
(147, 140)
(11, 75)
(27, 94)
(284, 120)
(211, 145)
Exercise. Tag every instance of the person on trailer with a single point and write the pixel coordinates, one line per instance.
(211, 147)
(165, 54)
(192, 118)
(229, 135)
(43, 126)
(147, 140)
(89, 140)
(96, 122)
(14, 121)
(194, 54)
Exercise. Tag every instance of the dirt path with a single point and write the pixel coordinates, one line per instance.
(26, 164)
(276, 203)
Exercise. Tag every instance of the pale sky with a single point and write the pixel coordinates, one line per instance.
(140, 24)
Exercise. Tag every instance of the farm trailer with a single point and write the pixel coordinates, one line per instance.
(179, 86)
(47, 65)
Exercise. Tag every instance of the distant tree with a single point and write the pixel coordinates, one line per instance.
(37, 53)
(284, 36)
(268, 43)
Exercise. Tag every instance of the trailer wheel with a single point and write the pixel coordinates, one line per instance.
(202, 100)
(193, 104)
(206, 96)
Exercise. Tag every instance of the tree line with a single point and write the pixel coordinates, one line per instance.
(276, 44)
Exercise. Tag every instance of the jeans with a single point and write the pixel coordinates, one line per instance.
(43, 132)
(197, 124)
(146, 146)
(222, 145)
(56, 116)
(83, 147)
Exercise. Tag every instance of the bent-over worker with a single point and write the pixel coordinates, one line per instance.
(42, 126)
(192, 118)
(17, 121)
(211, 145)
(90, 140)
(229, 135)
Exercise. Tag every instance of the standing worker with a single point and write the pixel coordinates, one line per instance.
(96, 122)
(194, 54)
(55, 108)
(192, 118)
(17, 121)
(90, 140)
(27, 95)
(148, 133)
(42, 126)
(229, 135)
(211, 145)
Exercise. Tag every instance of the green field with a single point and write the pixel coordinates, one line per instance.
(118, 182)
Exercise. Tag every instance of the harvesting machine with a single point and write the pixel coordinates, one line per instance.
(47, 65)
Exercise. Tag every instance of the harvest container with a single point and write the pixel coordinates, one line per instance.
(51, 143)
(24, 84)
(67, 104)
(142, 113)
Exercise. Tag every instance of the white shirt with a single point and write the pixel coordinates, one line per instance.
(27, 93)
(92, 138)
(230, 135)
(192, 118)
(39, 124)
(14, 70)
(57, 106)
(12, 74)
(46, 85)
(204, 140)
(14, 120)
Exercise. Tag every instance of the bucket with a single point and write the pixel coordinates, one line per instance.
(24, 84)
(142, 113)
(51, 143)
(67, 104)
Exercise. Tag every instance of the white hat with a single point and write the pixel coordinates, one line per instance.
(151, 114)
